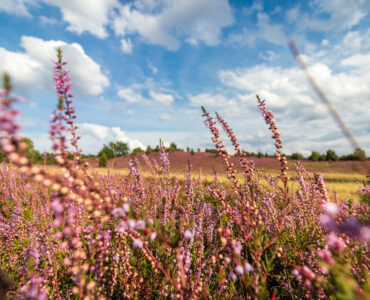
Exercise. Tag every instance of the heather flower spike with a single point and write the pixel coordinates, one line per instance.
(154, 235)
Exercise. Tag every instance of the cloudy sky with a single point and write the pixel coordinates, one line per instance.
(141, 69)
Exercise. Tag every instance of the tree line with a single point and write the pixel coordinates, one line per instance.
(119, 148)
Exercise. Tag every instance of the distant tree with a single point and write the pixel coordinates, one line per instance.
(259, 154)
(103, 159)
(157, 149)
(109, 153)
(136, 151)
(331, 155)
(148, 150)
(214, 151)
(198, 149)
(192, 152)
(296, 156)
(119, 148)
(187, 149)
(361, 154)
(32, 154)
(315, 156)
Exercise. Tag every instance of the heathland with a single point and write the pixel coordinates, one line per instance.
(222, 227)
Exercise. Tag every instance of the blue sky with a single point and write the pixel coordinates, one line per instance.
(141, 69)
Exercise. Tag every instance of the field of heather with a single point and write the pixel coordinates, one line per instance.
(222, 227)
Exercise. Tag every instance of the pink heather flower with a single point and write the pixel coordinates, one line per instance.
(232, 276)
(137, 244)
(227, 260)
(188, 235)
(122, 227)
(365, 190)
(237, 248)
(239, 270)
(328, 222)
(365, 233)
(118, 212)
(153, 236)
(248, 267)
(140, 225)
(131, 223)
(326, 256)
(334, 242)
(126, 207)
(330, 208)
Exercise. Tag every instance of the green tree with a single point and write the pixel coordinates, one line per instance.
(103, 159)
(315, 156)
(296, 156)
(331, 155)
(136, 151)
(148, 150)
(119, 148)
(361, 154)
(32, 154)
(108, 152)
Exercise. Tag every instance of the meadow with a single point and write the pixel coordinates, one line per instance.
(76, 232)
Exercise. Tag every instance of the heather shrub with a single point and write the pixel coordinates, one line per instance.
(75, 234)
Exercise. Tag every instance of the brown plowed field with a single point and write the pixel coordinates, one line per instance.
(208, 163)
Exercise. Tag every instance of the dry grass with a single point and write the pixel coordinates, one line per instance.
(344, 185)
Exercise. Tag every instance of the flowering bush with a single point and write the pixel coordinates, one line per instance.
(74, 234)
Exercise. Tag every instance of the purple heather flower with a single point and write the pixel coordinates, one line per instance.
(334, 242)
(118, 212)
(330, 209)
(137, 244)
(248, 267)
(239, 270)
(188, 235)
(232, 276)
(140, 225)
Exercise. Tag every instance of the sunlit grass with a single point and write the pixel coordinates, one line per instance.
(343, 185)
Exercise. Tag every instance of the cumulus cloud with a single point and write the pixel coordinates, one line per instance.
(156, 93)
(17, 7)
(126, 45)
(165, 117)
(94, 136)
(333, 15)
(130, 95)
(161, 97)
(165, 22)
(82, 15)
(32, 69)
(272, 33)
(297, 107)
(209, 100)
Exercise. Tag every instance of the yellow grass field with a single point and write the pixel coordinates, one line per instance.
(344, 185)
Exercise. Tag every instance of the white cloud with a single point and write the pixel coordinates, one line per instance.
(165, 117)
(130, 95)
(342, 15)
(164, 22)
(272, 33)
(94, 136)
(32, 69)
(126, 45)
(209, 100)
(83, 15)
(153, 68)
(298, 109)
(17, 7)
(160, 97)
(268, 55)
(48, 21)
